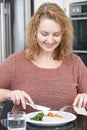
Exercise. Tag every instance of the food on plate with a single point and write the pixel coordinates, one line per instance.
(54, 115)
(51, 117)
(38, 117)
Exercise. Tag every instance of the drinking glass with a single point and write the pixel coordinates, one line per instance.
(16, 120)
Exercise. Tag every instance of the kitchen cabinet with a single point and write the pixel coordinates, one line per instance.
(62, 3)
(37, 3)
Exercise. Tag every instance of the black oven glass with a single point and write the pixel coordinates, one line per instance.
(84, 8)
(83, 56)
(80, 34)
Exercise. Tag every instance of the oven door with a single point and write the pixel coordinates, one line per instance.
(80, 37)
(80, 33)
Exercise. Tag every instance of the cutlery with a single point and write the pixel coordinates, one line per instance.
(65, 107)
(78, 110)
(38, 107)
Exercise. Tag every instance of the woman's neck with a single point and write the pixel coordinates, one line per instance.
(46, 61)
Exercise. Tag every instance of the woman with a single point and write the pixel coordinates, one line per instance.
(46, 71)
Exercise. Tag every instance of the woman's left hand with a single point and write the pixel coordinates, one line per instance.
(80, 100)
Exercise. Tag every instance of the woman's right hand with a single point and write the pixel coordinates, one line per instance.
(19, 97)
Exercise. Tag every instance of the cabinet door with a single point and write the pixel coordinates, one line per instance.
(37, 3)
(64, 4)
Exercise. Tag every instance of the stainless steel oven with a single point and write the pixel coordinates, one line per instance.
(78, 15)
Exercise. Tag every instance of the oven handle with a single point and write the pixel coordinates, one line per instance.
(79, 18)
(79, 51)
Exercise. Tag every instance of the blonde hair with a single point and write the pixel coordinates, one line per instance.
(54, 12)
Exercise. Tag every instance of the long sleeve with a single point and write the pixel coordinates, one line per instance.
(82, 71)
(6, 70)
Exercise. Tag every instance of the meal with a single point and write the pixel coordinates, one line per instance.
(50, 117)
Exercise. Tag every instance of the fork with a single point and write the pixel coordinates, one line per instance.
(65, 107)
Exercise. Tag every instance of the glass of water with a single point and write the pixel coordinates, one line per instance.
(16, 120)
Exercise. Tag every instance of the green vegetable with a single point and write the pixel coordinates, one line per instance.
(38, 117)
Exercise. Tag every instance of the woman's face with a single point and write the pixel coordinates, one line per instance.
(48, 35)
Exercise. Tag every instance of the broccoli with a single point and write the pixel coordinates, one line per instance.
(38, 117)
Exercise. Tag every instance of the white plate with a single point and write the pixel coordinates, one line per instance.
(67, 117)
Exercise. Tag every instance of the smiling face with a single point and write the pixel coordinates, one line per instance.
(48, 35)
